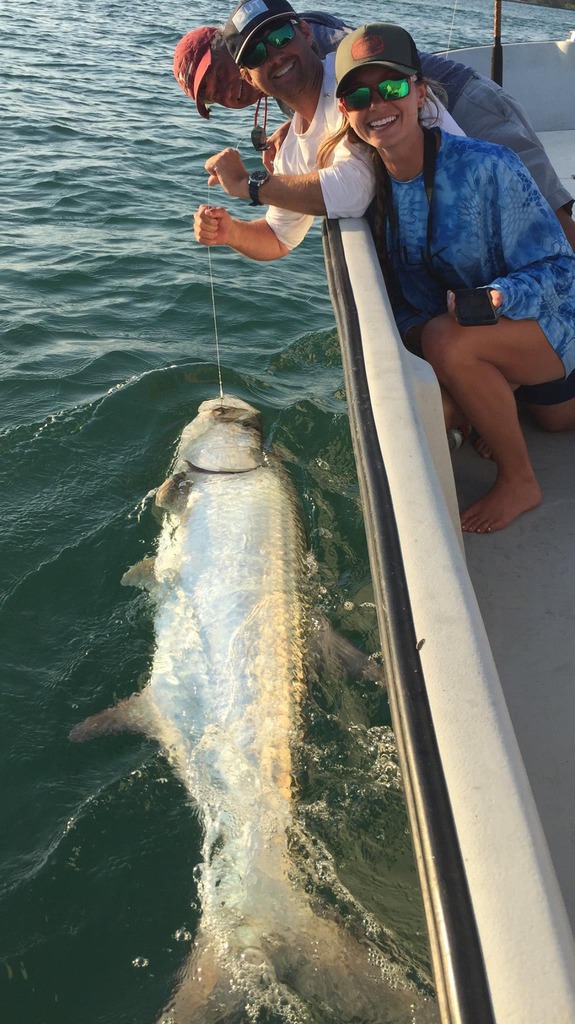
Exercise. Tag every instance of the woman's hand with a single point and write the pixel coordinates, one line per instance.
(212, 225)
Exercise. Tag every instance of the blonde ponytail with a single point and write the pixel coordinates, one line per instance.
(328, 145)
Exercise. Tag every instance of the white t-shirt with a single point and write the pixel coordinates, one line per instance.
(347, 184)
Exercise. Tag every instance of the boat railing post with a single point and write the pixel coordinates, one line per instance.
(497, 52)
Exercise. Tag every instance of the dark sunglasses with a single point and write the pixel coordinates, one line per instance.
(390, 89)
(278, 38)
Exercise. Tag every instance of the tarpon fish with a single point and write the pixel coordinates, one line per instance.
(223, 700)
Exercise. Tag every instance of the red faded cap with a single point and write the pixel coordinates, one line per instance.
(192, 58)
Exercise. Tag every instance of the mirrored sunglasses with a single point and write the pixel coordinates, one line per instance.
(390, 89)
(279, 37)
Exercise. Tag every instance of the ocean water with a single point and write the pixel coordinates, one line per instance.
(107, 349)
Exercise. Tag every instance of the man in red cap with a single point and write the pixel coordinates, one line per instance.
(205, 70)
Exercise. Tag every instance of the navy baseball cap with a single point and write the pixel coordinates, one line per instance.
(249, 17)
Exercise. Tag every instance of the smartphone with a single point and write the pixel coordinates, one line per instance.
(474, 308)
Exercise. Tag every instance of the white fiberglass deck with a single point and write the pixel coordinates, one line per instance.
(524, 579)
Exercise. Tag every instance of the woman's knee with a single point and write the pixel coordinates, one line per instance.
(435, 333)
(439, 342)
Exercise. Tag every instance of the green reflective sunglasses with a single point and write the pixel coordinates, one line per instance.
(390, 89)
(278, 38)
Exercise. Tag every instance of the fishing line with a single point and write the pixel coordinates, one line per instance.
(451, 29)
(213, 295)
(216, 336)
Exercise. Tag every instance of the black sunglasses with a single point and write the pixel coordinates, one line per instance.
(277, 37)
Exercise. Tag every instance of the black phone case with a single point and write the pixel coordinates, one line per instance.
(473, 307)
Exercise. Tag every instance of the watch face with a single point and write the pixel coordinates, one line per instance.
(256, 179)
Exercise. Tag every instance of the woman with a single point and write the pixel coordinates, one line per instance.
(456, 213)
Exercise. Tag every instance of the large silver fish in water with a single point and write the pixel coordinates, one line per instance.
(223, 700)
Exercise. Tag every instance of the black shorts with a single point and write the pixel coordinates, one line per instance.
(554, 392)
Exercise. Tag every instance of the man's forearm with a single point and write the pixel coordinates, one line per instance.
(256, 240)
(300, 193)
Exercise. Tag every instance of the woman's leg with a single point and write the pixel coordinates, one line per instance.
(480, 367)
(555, 418)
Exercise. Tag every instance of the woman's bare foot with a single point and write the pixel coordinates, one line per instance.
(501, 505)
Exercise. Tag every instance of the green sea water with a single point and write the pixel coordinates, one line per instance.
(107, 350)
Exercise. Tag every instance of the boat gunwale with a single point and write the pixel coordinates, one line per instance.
(461, 983)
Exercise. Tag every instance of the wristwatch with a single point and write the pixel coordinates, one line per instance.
(255, 181)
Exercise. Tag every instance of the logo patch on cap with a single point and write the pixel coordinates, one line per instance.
(248, 12)
(366, 47)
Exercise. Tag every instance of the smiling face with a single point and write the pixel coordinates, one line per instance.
(223, 83)
(387, 125)
(290, 72)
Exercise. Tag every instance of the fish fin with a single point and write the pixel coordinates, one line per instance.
(130, 715)
(338, 656)
(173, 493)
(142, 574)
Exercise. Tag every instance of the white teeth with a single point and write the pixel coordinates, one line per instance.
(285, 70)
(381, 122)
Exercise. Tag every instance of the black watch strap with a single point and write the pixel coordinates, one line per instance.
(255, 181)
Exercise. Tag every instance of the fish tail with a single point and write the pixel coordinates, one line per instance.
(204, 995)
(232, 986)
(318, 975)
(340, 978)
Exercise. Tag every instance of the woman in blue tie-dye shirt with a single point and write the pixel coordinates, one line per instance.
(453, 212)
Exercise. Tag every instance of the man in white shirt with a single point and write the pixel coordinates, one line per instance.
(273, 49)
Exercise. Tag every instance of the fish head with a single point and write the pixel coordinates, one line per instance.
(224, 437)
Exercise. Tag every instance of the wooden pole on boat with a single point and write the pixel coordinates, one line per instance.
(497, 52)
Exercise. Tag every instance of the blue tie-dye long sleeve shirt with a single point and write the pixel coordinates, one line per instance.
(491, 227)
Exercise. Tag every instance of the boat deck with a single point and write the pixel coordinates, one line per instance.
(524, 580)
